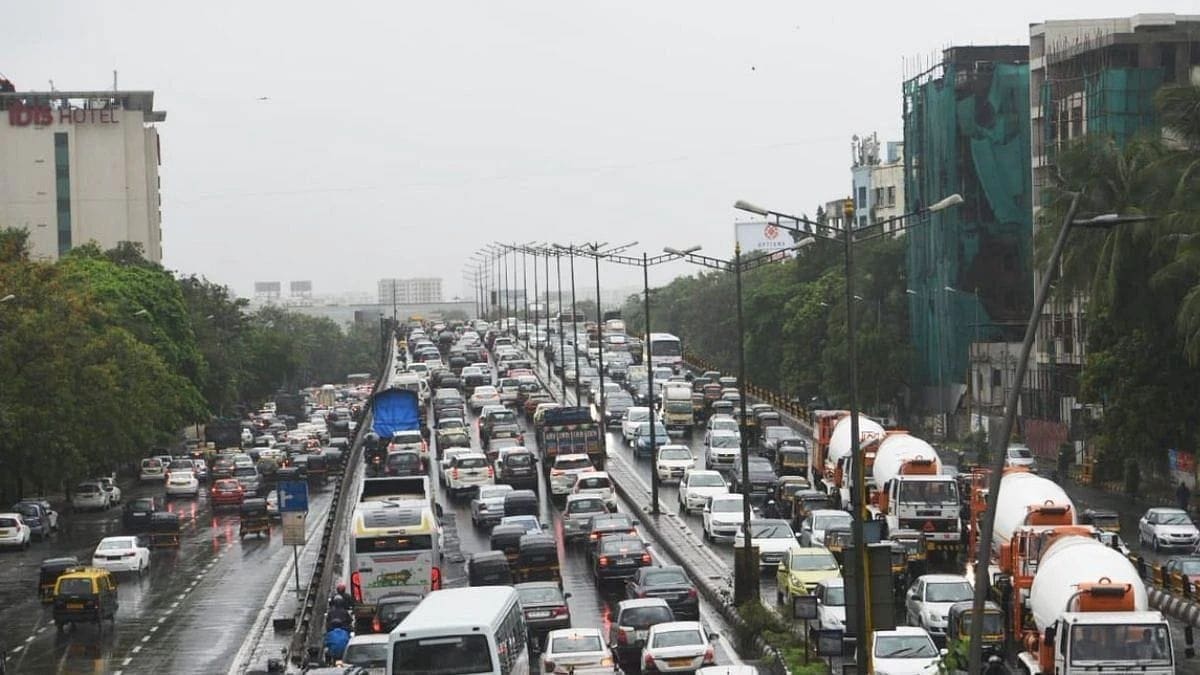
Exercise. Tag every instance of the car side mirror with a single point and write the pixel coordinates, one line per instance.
(636, 523)
(566, 596)
(437, 508)
(713, 637)
(545, 526)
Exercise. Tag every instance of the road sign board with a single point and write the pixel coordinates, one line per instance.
(293, 496)
(293, 528)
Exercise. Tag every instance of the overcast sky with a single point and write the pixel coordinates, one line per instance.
(396, 138)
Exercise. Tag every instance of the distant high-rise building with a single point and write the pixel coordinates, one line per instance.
(410, 291)
(81, 166)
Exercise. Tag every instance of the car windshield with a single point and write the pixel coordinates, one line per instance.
(1188, 567)
(660, 431)
(540, 595)
(367, 655)
(956, 591)
(1020, 453)
(245, 472)
(929, 492)
(518, 459)
(593, 483)
(726, 505)
(770, 531)
(23, 509)
(87, 488)
(75, 586)
(485, 391)
(835, 596)
(113, 544)
(678, 638)
(471, 462)
(8, 522)
(1140, 644)
(594, 505)
(443, 655)
(1174, 518)
(706, 480)
(827, 521)
(403, 459)
(778, 432)
(574, 644)
(813, 563)
(665, 578)
(572, 464)
(675, 453)
(644, 617)
(503, 417)
(723, 441)
(904, 647)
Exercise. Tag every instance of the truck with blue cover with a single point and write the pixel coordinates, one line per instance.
(393, 409)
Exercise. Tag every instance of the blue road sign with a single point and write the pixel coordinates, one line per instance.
(293, 496)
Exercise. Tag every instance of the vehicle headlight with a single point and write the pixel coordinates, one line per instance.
(935, 618)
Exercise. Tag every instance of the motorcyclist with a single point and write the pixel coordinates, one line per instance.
(338, 615)
(340, 592)
(336, 639)
(771, 510)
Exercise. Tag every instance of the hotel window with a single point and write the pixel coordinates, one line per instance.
(62, 176)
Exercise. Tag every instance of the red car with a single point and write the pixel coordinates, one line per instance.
(227, 492)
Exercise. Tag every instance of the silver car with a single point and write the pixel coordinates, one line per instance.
(577, 511)
(487, 508)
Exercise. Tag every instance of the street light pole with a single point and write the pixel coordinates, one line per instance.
(562, 380)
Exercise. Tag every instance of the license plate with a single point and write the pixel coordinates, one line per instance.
(676, 663)
(625, 563)
(74, 605)
(539, 615)
(114, 557)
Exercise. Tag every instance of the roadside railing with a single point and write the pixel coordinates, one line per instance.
(780, 402)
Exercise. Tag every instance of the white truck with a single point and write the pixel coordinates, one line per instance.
(912, 494)
(1092, 615)
(1021, 493)
(837, 457)
(678, 415)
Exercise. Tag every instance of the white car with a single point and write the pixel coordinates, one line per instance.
(678, 646)
(673, 461)
(722, 517)
(831, 603)
(89, 495)
(121, 554)
(248, 436)
(812, 530)
(13, 531)
(110, 487)
(772, 536)
(927, 602)
(564, 471)
(720, 449)
(697, 485)
(467, 472)
(448, 455)
(576, 513)
(182, 484)
(575, 649)
(723, 423)
(634, 416)
(152, 469)
(483, 395)
(596, 483)
(487, 507)
(368, 651)
(1164, 527)
(907, 650)
(1020, 455)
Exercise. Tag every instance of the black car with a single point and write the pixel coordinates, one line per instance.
(670, 583)
(391, 610)
(545, 607)
(489, 568)
(773, 437)
(762, 477)
(138, 512)
(404, 463)
(630, 625)
(516, 467)
(619, 556)
(615, 406)
(609, 525)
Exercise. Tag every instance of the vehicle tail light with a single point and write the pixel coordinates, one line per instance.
(595, 536)
(691, 592)
(645, 558)
(604, 561)
(560, 611)
(435, 579)
(642, 594)
(622, 635)
(376, 625)
(491, 472)
(454, 474)
(557, 472)
(356, 586)
(648, 662)
(709, 656)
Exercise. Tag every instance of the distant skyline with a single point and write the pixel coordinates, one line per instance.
(350, 142)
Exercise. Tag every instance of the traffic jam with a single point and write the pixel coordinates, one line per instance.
(523, 421)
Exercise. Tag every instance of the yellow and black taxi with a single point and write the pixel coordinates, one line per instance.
(85, 594)
(800, 570)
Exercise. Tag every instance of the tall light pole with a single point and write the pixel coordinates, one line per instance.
(746, 572)
(570, 250)
(593, 251)
(645, 262)
(988, 523)
(858, 493)
(561, 337)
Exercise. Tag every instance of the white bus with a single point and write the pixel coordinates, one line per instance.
(462, 631)
(665, 350)
(395, 547)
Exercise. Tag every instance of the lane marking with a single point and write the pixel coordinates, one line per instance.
(174, 604)
(153, 628)
(127, 661)
(145, 638)
(18, 648)
(136, 649)
(162, 618)
(29, 639)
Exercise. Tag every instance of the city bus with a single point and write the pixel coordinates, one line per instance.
(394, 547)
(665, 350)
(465, 631)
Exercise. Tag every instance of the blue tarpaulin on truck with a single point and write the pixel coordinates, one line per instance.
(395, 410)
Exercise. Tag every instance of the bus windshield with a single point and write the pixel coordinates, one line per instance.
(666, 348)
(443, 655)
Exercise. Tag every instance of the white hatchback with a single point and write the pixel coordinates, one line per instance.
(571, 650)
(596, 483)
(13, 531)
(89, 496)
(565, 469)
(672, 462)
(678, 646)
(697, 486)
(182, 484)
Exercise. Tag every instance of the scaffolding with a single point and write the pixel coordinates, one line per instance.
(966, 130)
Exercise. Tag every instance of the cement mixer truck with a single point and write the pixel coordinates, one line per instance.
(836, 455)
(1091, 614)
(912, 494)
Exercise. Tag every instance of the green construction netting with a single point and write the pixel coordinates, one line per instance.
(1120, 101)
(966, 132)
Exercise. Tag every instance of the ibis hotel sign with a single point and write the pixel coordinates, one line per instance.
(21, 115)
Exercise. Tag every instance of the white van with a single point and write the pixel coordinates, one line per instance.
(466, 631)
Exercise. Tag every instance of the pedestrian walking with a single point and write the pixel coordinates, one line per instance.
(1183, 496)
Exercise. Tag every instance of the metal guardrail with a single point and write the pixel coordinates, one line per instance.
(316, 594)
(762, 394)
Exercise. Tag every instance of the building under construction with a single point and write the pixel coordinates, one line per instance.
(1087, 77)
(966, 131)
